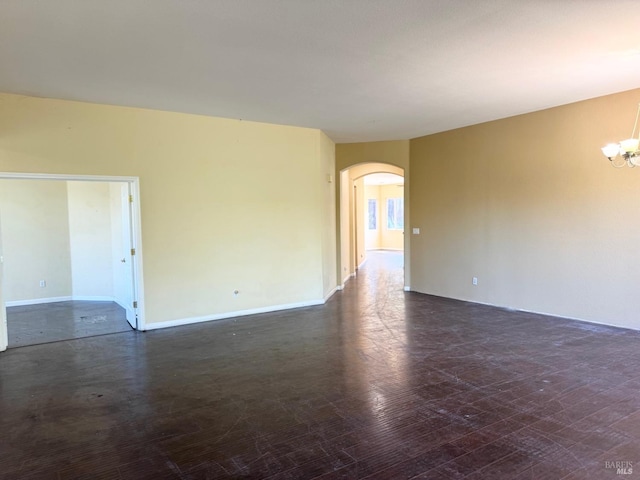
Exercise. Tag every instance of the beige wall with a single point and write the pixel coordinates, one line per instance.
(35, 240)
(344, 233)
(226, 204)
(90, 240)
(4, 341)
(395, 152)
(531, 207)
(359, 247)
(328, 201)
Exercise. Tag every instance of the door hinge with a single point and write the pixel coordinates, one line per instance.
(130, 198)
(135, 304)
(133, 251)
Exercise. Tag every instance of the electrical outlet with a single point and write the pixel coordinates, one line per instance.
(43, 283)
(474, 280)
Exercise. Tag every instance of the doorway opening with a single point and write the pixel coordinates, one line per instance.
(372, 218)
(384, 212)
(70, 257)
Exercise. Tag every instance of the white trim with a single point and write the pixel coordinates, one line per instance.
(79, 298)
(522, 310)
(346, 279)
(576, 319)
(37, 301)
(93, 298)
(330, 294)
(70, 178)
(407, 288)
(136, 224)
(221, 316)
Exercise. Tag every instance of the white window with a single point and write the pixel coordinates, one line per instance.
(395, 213)
(372, 214)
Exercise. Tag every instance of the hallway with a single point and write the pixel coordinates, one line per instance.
(377, 383)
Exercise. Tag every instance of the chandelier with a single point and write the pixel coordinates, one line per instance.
(625, 152)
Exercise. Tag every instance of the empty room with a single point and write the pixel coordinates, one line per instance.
(343, 239)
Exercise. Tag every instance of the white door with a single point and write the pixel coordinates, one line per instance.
(124, 284)
(4, 335)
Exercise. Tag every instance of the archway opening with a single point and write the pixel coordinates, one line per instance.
(372, 216)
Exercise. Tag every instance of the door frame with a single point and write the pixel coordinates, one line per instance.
(136, 234)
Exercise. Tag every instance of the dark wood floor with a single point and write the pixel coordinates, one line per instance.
(378, 384)
(52, 322)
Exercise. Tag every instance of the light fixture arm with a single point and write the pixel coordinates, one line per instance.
(625, 152)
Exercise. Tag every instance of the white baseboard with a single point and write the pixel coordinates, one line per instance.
(221, 316)
(92, 298)
(37, 301)
(330, 294)
(535, 312)
(347, 278)
(80, 298)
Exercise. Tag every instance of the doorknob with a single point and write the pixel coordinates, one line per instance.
(124, 260)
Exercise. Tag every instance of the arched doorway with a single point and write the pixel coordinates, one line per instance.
(352, 225)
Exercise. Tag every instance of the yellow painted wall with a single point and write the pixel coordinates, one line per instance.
(530, 206)
(359, 225)
(344, 233)
(328, 202)
(35, 228)
(3, 312)
(226, 204)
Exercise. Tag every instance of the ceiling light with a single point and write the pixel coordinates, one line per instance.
(625, 152)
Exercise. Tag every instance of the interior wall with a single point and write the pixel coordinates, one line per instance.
(29, 209)
(90, 239)
(4, 340)
(359, 227)
(530, 206)
(328, 202)
(226, 205)
(344, 242)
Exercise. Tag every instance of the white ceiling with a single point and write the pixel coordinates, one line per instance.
(360, 70)
(383, 179)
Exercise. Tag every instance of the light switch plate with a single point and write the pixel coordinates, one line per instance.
(416, 231)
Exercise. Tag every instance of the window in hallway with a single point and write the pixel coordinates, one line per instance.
(395, 213)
